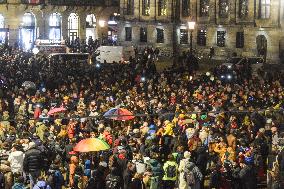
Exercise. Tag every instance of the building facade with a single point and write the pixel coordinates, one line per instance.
(247, 27)
(24, 21)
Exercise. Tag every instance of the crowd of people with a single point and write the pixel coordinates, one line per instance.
(190, 130)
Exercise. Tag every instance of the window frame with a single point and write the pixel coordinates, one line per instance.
(128, 33)
(183, 36)
(221, 38)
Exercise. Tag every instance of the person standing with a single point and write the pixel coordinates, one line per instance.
(33, 162)
(16, 159)
(170, 173)
(182, 164)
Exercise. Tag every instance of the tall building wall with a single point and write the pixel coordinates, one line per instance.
(261, 29)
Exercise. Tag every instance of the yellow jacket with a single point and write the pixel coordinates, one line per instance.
(169, 129)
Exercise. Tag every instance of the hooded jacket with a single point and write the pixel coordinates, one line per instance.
(33, 160)
(16, 160)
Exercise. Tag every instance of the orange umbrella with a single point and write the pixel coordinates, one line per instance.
(91, 145)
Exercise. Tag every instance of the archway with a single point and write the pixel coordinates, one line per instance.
(261, 45)
(73, 26)
(28, 31)
(55, 26)
(91, 27)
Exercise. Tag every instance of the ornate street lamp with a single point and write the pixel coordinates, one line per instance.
(191, 26)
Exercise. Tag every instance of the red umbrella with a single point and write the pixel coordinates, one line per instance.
(56, 110)
(119, 114)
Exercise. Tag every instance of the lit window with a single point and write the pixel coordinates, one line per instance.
(73, 26)
(143, 35)
(201, 37)
(265, 9)
(240, 40)
(221, 38)
(223, 8)
(55, 26)
(185, 8)
(2, 23)
(183, 36)
(204, 8)
(243, 6)
(145, 7)
(162, 7)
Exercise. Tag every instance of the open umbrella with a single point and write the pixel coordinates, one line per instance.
(29, 85)
(119, 114)
(56, 110)
(91, 145)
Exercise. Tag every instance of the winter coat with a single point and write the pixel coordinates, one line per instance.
(41, 184)
(165, 167)
(248, 177)
(140, 166)
(8, 176)
(16, 160)
(40, 131)
(169, 130)
(33, 160)
(137, 184)
(182, 181)
(156, 168)
(18, 186)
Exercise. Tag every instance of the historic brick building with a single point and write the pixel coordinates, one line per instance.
(248, 27)
(24, 21)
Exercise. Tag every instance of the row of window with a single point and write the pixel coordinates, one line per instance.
(162, 5)
(201, 36)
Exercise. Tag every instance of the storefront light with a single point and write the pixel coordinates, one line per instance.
(101, 23)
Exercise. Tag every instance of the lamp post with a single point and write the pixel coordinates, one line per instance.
(191, 26)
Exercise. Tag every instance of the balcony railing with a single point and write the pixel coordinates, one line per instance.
(78, 2)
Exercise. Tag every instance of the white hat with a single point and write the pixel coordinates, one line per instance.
(187, 154)
(269, 121)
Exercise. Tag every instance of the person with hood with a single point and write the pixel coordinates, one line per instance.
(170, 173)
(19, 183)
(182, 182)
(16, 159)
(33, 163)
(41, 183)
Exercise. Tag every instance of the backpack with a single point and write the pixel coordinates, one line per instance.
(189, 175)
(58, 178)
(42, 187)
(171, 171)
(112, 182)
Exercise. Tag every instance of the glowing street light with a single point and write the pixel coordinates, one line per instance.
(102, 23)
(191, 26)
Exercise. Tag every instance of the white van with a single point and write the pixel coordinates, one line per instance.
(112, 54)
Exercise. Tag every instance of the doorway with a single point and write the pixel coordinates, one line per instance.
(261, 45)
